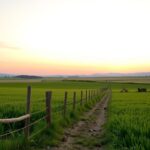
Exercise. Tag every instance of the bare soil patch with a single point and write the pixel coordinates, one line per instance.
(87, 133)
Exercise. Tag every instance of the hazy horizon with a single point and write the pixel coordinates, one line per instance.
(109, 74)
(74, 36)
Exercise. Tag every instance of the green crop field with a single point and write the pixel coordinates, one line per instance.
(13, 104)
(128, 125)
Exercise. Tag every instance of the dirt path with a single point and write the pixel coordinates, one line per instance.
(87, 133)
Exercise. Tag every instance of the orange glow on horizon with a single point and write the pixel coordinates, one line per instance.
(64, 37)
(68, 69)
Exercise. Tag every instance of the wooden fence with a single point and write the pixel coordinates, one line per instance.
(84, 99)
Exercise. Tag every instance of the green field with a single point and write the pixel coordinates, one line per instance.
(13, 104)
(128, 125)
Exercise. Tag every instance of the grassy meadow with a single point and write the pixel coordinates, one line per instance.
(13, 104)
(128, 125)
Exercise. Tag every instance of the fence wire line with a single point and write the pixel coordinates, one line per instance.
(21, 102)
(58, 107)
(56, 119)
(70, 104)
(39, 100)
(13, 103)
(39, 131)
(58, 111)
(35, 122)
(37, 112)
(78, 102)
(18, 130)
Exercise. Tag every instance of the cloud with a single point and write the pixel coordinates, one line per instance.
(8, 46)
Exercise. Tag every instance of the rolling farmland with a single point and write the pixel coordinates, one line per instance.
(13, 104)
(128, 125)
(128, 120)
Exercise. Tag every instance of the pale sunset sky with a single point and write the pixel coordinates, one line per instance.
(46, 37)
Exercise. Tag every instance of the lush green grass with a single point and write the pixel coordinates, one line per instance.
(125, 109)
(128, 126)
(13, 102)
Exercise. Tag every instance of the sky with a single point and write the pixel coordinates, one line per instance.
(49, 37)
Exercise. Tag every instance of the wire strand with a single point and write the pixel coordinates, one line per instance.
(18, 130)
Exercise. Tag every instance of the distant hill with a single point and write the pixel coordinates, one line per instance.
(138, 74)
(28, 77)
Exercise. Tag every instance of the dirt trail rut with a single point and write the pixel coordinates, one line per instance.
(86, 134)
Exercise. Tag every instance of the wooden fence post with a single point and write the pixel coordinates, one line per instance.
(81, 102)
(86, 97)
(98, 93)
(48, 108)
(28, 104)
(74, 101)
(89, 95)
(65, 104)
(93, 95)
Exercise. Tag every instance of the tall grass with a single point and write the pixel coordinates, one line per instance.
(13, 102)
(129, 121)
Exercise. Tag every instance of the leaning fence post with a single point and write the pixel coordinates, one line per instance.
(93, 94)
(74, 101)
(48, 108)
(27, 121)
(65, 104)
(81, 102)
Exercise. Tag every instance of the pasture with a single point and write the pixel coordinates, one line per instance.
(13, 104)
(128, 123)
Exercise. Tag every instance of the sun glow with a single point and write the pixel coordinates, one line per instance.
(75, 36)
